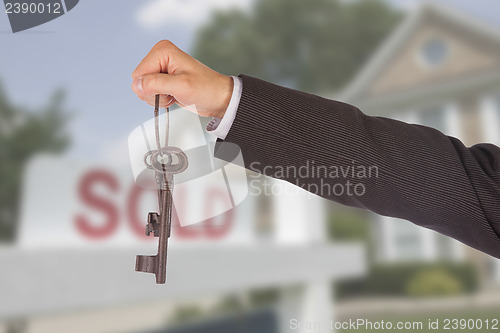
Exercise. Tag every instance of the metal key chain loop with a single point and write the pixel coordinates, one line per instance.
(152, 160)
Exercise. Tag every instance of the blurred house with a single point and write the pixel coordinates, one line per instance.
(440, 68)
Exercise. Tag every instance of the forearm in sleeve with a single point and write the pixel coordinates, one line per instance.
(411, 172)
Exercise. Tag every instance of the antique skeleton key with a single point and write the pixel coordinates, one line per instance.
(165, 161)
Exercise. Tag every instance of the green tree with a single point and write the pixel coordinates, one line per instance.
(24, 133)
(309, 45)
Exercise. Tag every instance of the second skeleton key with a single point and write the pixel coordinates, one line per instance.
(162, 162)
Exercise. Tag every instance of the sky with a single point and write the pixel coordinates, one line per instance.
(91, 52)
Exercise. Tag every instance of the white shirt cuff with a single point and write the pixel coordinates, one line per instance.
(220, 127)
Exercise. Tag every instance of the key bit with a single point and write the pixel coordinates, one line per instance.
(153, 225)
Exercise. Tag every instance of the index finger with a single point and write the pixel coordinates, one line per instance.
(156, 61)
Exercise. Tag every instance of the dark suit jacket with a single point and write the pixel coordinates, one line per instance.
(424, 176)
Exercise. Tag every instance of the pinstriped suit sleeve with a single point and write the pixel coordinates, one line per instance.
(423, 176)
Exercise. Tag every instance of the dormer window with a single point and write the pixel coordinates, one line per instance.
(434, 52)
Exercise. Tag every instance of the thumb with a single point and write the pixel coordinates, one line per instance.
(152, 84)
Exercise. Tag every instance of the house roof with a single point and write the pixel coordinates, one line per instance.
(390, 47)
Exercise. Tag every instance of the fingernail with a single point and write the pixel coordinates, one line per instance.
(138, 85)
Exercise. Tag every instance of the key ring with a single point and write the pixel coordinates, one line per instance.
(152, 160)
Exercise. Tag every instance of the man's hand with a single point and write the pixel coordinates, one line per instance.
(181, 79)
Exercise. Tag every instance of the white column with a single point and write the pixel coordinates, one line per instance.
(489, 120)
(387, 241)
(429, 244)
(299, 215)
(458, 250)
(317, 304)
(301, 220)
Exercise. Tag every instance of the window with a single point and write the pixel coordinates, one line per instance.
(434, 52)
(496, 101)
(408, 240)
(433, 117)
(493, 121)
(490, 109)
(444, 246)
